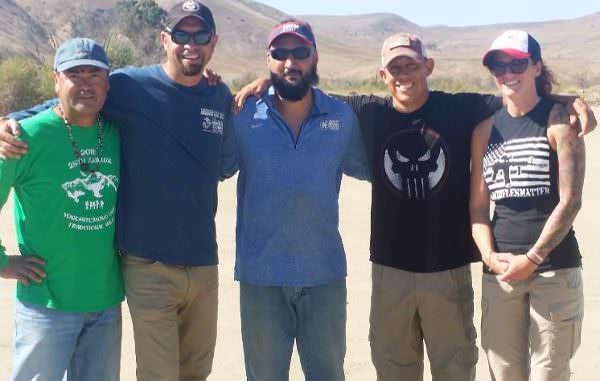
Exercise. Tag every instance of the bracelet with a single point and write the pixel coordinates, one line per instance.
(531, 260)
(538, 258)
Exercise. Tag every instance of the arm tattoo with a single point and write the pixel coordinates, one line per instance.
(571, 171)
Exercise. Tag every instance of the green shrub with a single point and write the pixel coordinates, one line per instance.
(23, 83)
(120, 54)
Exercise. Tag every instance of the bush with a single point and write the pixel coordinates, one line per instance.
(140, 21)
(120, 54)
(23, 83)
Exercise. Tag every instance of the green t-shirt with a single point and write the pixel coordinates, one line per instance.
(65, 216)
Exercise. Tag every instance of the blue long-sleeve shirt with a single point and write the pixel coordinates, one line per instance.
(171, 142)
(287, 211)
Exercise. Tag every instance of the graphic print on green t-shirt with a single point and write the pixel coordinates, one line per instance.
(66, 215)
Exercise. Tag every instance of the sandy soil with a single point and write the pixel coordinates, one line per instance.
(354, 206)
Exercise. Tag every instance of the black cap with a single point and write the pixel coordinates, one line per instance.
(189, 8)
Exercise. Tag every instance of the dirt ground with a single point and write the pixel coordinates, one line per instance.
(354, 207)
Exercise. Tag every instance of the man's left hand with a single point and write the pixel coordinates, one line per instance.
(212, 77)
(580, 113)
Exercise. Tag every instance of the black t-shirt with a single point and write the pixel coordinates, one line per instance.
(420, 164)
(521, 172)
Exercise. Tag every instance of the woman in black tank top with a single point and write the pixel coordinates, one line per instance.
(530, 163)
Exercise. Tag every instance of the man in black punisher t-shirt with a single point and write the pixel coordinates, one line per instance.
(421, 246)
(421, 165)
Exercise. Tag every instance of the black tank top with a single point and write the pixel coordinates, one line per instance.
(521, 173)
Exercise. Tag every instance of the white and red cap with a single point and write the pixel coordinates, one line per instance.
(402, 44)
(515, 43)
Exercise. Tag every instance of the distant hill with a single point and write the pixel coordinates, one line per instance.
(348, 45)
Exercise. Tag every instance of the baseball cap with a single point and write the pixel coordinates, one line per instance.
(515, 43)
(402, 44)
(79, 52)
(189, 8)
(297, 28)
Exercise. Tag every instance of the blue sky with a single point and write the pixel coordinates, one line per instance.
(447, 12)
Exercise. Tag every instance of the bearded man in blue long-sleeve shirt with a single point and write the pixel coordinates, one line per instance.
(292, 147)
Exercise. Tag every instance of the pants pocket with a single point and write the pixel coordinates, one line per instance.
(566, 315)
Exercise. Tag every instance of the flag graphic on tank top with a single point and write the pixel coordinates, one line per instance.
(518, 168)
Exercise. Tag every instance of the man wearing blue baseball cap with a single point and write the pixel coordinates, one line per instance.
(173, 127)
(69, 292)
(293, 145)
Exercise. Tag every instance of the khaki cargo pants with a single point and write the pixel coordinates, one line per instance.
(408, 308)
(174, 315)
(531, 329)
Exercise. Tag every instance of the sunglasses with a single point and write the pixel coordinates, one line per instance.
(299, 53)
(181, 37)
(516, 66)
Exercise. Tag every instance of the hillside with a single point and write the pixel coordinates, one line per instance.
(348, 45)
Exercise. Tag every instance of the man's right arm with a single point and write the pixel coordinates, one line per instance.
(10, 145)
(24, 269)
(22, 114)
(229, 152)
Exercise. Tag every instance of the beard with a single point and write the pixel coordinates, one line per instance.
(192, 70)
(294, 91)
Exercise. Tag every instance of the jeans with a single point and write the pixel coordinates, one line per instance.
(273, 317)
(49, 343)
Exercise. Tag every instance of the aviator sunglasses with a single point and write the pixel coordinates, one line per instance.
(299, 53)
(516, 66)
(181, 37)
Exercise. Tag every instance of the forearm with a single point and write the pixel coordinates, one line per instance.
(563, 99)
(483, 237)
(22, 114)
(557, 226)
(570, 152)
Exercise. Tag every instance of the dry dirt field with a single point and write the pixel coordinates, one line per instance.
(354, 206)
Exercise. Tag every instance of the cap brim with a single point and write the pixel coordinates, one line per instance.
(84, 62)
(298, 35)
(173, 24)
(513, 53)
(401, 52)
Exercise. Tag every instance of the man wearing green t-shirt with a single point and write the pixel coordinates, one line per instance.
(69, 291)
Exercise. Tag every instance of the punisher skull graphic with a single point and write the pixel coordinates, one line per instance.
(415, 162)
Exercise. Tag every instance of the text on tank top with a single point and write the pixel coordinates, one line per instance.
(521, 173)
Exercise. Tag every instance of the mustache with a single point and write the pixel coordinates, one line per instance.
(86, 92)
(292, 71)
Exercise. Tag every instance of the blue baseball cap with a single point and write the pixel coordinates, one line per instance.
(80, 52)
